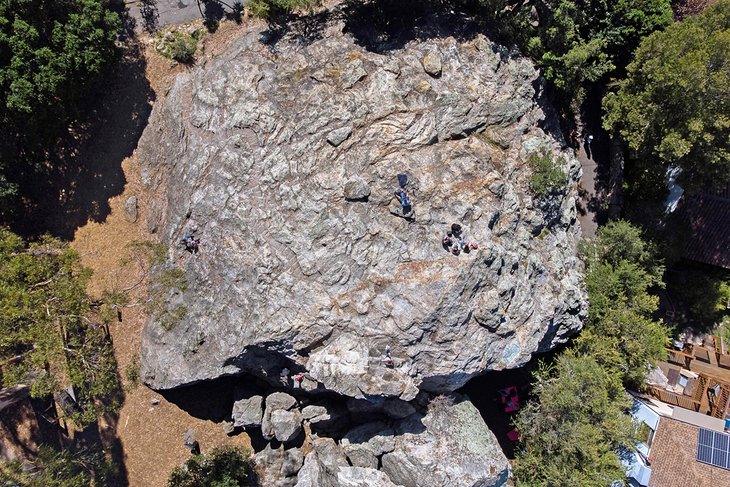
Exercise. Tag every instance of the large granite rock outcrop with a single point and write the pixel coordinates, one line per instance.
(285, 164)
(450, 445)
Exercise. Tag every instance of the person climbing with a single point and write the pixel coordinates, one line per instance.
(455, 249)
(447, 241)
(191, 244)
(405, 199)
(284, 376)
(589, 139)
(388, 358)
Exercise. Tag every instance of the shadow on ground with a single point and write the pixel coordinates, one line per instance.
(384, 25)
(85, 169)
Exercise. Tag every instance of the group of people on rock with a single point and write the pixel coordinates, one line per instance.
(191, 244)
(455, 242)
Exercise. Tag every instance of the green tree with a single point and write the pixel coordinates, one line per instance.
(572, 435)
(266, 8)
(50, 53)
(620, 333)
(579, 42)
(673, 109)
(52, 469)
(548, 175)
(47, 338)
(225, 466)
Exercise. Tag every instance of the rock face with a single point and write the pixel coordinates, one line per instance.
(248, 412)
(450, 442)
(258, 151)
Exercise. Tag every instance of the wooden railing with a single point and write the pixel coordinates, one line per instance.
(700, 389)
(675, 399)
(718, 409)
(679, 358)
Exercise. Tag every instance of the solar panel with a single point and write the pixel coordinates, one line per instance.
(713, 448)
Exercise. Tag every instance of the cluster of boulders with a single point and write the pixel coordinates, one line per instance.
(323, 443)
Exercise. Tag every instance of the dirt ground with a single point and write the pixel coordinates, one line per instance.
(151, 435)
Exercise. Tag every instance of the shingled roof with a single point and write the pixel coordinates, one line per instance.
(708, 216)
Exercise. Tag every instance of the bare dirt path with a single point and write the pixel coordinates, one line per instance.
(150, 433)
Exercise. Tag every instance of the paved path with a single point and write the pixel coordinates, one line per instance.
(589, 197)
(168, 12)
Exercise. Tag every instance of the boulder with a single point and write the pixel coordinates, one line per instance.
(293, 461)
(248, 412)
(338, 136)
(356, 189)
(278, 468)
(450, 445)
(286, 425)
(329, 453)
(294, 275)
(314, 474)
(432, 63)
(130, 209)
(364, 444)
(314, 413)
(279, 401)
(362, 477)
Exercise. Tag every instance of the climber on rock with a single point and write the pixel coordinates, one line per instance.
(405, 200)
(191, 244)
(447, 241)
(388, 358)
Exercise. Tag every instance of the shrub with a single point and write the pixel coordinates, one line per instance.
(548, 176)
(225, 466)
(179, 45)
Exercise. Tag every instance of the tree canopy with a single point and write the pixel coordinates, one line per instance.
(225, 466)
(673, 108)
(47, 336)
(50, 52)
(621, 333)
(578, 42)
(574, 431)
(578, 426)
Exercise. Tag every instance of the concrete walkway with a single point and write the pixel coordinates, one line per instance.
(589, 197)
(168, 12)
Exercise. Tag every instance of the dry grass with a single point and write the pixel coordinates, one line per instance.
(151, 435)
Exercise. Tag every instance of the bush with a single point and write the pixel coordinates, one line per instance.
(267, 8)
(225, 466)
(132, 373)
(548, 175)
(169, 281)
(179, 45)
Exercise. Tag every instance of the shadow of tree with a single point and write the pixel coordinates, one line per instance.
(84, 171)
(385, 25)
(150, 15)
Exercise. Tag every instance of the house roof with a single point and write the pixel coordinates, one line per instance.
(674, 458)
(708, 216)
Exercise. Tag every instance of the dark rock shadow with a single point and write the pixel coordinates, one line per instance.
(483, 391)
(85, 169)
